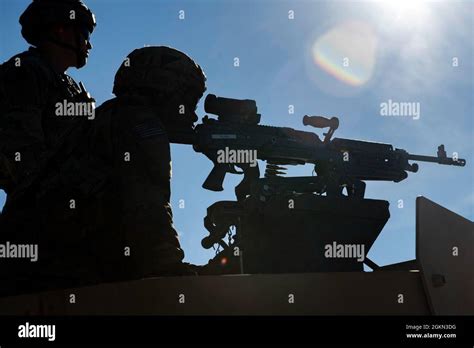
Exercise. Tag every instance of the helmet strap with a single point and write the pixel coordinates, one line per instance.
(80, 58)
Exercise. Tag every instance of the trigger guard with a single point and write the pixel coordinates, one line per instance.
(235, 171)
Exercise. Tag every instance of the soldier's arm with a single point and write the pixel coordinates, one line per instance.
(148, 178)
(23, 95)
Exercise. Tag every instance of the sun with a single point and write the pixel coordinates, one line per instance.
(406, 13)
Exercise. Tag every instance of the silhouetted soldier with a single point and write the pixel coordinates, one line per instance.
(156, 88)
(33, 132)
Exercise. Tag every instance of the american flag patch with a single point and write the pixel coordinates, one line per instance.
(149, 129)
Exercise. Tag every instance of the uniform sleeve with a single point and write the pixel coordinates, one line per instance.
(140, 152)
(23, 97)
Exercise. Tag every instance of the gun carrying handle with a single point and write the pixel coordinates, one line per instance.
(322, 122)
(215, 178)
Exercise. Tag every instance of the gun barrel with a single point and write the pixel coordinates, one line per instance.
(438, 159)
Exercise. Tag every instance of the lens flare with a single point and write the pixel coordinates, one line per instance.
(347, 52)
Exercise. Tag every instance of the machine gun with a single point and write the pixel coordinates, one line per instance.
(339, 163)
(283, 223)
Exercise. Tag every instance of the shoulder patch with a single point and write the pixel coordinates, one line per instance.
(149, 129)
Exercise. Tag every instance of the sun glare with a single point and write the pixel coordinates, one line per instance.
(406, 13)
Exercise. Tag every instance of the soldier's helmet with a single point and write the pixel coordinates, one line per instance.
(41, 14)
(162, 72)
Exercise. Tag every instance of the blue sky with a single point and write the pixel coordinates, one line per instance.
(292, 53)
